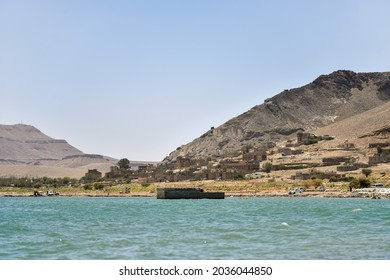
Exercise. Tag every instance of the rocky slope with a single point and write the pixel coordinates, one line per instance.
(372, 126)
(328, 99)
(353, 138)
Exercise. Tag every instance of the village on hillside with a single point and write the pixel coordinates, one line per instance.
(296, 159)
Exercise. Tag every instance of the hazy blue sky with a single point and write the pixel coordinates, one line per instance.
(137, 79)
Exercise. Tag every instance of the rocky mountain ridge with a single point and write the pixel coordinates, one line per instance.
(326, 100)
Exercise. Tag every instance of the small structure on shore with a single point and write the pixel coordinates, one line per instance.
(187, 193)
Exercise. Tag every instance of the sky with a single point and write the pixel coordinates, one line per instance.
(137, 79)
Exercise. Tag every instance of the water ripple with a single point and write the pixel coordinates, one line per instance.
(147, 228)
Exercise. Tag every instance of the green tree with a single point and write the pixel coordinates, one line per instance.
(123, 163)
(98, 186)
(366, 172)
(359, 183)
(364, 183)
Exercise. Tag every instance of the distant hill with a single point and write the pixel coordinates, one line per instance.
(26, 151)
(25, 143)
(328, 99)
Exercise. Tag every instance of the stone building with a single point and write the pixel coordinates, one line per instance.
(351, 167)
(115, 172)
(239, 166)
(379, 158)
(306, 138)
(346, 146)
(313, 173)
(285, 151)
(335, 160)
(379, 144)
(303, 138)
(93, 174)
(255, 156)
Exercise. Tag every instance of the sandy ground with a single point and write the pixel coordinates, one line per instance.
(39, 171)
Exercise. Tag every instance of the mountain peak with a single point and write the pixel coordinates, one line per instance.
(21, 132)
(23, 142)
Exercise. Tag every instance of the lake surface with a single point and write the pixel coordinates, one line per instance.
(233, 228)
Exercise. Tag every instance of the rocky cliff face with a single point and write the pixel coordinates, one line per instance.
(328, 99)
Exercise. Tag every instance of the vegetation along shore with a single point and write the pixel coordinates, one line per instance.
(264, 187)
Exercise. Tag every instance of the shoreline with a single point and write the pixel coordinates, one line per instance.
(227, 195)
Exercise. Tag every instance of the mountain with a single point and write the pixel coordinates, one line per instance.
(328, 99)
(25, 143)
(26, 151)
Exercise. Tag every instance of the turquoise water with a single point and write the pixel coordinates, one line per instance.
(147, 228)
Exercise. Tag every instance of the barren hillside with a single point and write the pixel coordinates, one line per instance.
(372, 126)
(328, 99)
(26, 151)
(352, 137)
(25, 143)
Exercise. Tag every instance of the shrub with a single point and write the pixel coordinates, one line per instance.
(360, 183)
(343, 179)
(364, 183)
(354, 184)
(98, 186)
(267, 167)
(307, 183)
(317, 182)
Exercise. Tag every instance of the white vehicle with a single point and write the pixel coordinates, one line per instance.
(52, 193)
